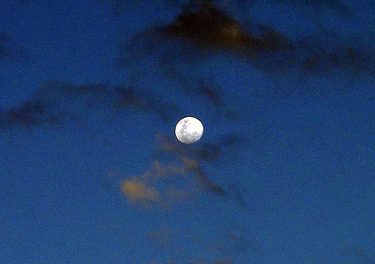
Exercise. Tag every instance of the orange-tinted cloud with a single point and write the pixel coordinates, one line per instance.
(159, 186)
(181, 179)
(138, 192)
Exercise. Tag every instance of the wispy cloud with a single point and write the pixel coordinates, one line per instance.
(185, 176)
(160, 181)
(200, 88)
(210, 151)
(327, 51)
(58, 102)
(31, 114)
(138, 192)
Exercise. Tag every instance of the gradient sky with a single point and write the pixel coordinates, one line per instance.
(90, 170)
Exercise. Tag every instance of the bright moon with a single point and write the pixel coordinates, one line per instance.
(189, 130)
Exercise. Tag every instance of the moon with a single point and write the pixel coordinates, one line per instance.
(189, 130)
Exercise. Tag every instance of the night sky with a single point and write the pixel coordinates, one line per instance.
(91, 171)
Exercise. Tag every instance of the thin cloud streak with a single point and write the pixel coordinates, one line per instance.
(58, 102)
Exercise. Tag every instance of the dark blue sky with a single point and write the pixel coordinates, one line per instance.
(91, 90)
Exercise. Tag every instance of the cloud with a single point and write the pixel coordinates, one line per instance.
(30, 114)
(203, 28)
(211, 28)
(192, 159)
(210, 151)
(202, 179)
(182, 178)
(161, 181)
(160, 170)
(58, 102)
(145, 101)
(200, 88)
(207, 25)
(326, 52)
(138, 192)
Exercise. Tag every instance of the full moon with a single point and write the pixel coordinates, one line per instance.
(189, 130)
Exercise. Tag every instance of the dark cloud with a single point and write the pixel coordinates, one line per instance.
(56, 102)
(204, 88)
(236, 193)
(209, 26)
(30, 114)
(145, 101)
(201, 88)
(337, 6)
(326, 51)
(212, 30)
(193, 157)
(203, 180)
(211, 151)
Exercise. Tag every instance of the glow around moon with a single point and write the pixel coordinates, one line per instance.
(189, 130)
